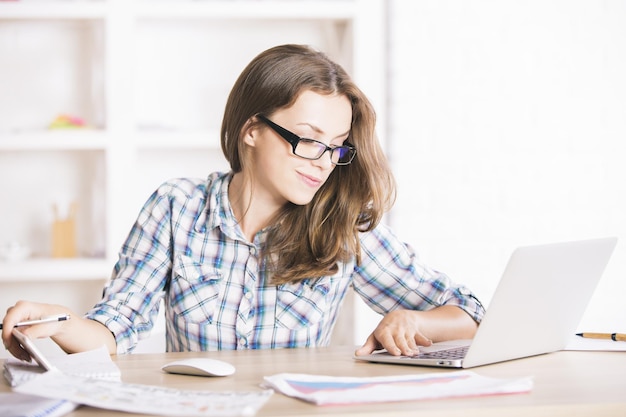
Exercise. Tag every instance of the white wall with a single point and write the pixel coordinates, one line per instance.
(507, 126)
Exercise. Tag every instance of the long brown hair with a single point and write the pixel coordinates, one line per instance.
(308, 241)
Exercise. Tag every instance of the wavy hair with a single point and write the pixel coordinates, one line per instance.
(307, 241)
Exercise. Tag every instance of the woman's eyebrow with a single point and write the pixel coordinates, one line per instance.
(318, 130)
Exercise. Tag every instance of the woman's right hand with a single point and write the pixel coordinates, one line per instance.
(24, 311)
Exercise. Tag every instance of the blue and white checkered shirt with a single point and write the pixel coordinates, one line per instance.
(186, 246)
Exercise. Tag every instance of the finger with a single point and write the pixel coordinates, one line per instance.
(406, 344)
(370, 345)
(413, 344)
(13, 316)
(7, 325)
(17, 350)
(422, 340)
(388, 342)
(43, 330)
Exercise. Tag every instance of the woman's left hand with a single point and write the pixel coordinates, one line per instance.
(399, 333)
(402, 332)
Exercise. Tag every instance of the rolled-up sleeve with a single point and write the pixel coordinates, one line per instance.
(391, 276)
(130, 301)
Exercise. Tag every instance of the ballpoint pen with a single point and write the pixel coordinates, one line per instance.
(618, 337)
(50, 319)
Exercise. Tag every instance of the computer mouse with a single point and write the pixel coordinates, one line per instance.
(199, 367)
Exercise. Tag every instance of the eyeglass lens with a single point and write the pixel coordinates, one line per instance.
(311, 149)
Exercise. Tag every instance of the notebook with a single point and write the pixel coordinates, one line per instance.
(536, 308)
(95, 363)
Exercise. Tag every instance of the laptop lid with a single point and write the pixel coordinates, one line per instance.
(536, 308)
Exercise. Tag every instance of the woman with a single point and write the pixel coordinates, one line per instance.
(262, 256)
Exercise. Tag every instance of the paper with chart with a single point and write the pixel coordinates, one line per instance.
(145, 399)
(329, 390)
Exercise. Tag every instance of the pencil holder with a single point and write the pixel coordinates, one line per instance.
(64, 233)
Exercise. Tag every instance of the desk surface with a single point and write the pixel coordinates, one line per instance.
(565, 383)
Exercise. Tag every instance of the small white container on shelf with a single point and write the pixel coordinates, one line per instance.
(14, 252)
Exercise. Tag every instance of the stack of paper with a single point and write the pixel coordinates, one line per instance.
(91, 364)
(328, 390)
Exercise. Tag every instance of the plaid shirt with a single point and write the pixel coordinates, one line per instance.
(186, 246)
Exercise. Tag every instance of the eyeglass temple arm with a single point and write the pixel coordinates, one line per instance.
(290, 137)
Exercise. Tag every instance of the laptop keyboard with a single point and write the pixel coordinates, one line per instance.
(453, 353)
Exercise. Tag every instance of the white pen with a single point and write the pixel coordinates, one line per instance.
(50, 319)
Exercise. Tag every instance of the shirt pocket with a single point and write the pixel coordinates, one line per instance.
(195, 290)
(303, 304)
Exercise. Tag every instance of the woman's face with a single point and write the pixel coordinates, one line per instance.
(281, 176)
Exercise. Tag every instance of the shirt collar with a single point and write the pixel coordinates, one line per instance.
(220, 212)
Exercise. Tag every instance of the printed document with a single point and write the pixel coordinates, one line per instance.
(329, 390)
(145, 399)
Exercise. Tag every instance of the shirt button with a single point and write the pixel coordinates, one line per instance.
(242, 341)
(248, 295)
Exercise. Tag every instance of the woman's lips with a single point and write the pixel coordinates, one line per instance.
(309, 180)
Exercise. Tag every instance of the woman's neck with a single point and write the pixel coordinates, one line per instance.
(252, 213)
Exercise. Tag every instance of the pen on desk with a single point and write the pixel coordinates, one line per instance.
(618, 337)
(50, 319)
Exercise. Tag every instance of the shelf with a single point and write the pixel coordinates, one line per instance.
(79, 139)
(182, 140)
(54, 10)
(302, 9)
(48, 269)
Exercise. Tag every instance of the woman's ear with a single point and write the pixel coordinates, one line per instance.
(250, 132)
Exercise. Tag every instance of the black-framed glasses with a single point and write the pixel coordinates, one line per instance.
(311, 148)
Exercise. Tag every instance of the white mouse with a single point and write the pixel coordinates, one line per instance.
(200, 367)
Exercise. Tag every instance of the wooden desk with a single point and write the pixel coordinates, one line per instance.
(565, 383)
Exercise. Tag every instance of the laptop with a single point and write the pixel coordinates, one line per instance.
(536, 308)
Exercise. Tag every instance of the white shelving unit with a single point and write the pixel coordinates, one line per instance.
(150, 79)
